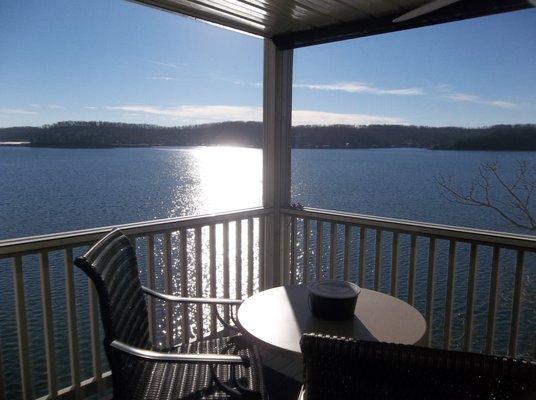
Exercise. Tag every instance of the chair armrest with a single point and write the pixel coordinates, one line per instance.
(196, 358)
(194, 300)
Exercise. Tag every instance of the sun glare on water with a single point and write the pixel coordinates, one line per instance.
(230, 178)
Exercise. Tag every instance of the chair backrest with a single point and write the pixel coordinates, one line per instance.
(339, 368)
(111, 265)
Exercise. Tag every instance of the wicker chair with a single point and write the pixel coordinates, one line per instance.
(220, 368)
(339, 368)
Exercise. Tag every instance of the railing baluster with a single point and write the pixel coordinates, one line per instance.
(332, 249)
(516, 303)
(347, 241)
(185, 312)
(450, 291)
(493, 288)
(305, 249)
(292, 218)
(238, 259)
(293, 265)
(168, 279)
(199, 281)
(430, 289)
(319, 248)
(48, 323)
(286, 249)
(362, 254)
(151, 281)
(72, 330)
(226, 283)
(412, 267)
(470, 297)
(250, 256)
(394, 264)
(285, 262)
(378, 260)
(94, 331)
(262, 269)
(22, 329)
(212, 259)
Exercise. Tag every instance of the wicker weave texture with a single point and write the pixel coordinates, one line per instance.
(194, 381)
(111, 265)
(339, 368)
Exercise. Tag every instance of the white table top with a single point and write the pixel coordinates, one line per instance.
(277, 318)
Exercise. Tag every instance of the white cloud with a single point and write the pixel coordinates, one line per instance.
(448, 93)
(217, 113)
(49, 106)
(165, 64)
(310, 117)
(16, 111)
(196, 114)
(349, 87)
(161, 78)
(90, 107)
(241, 83)
(471, 98)
(355, 87)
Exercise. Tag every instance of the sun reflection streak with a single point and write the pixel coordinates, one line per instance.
(214, 179)
(230, 178)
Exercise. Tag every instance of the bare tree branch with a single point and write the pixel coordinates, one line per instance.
(510, 198)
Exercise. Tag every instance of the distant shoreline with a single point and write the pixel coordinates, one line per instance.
(102, 135)
(141, 146)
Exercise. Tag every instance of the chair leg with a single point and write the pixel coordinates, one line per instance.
(223, 386)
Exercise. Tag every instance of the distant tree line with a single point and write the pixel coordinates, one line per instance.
(116, 134)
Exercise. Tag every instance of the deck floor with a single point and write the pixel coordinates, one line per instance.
(280, 386)
(283, 376)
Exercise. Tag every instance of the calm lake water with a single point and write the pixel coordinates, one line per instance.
(52, 190)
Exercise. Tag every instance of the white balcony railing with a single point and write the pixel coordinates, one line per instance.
(50, 326)
(475, 288)
(471, 285)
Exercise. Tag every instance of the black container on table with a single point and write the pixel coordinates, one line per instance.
(333, 300)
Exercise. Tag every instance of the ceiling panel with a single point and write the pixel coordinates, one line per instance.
(295, 23)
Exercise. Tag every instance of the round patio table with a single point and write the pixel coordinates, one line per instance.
(275, 319)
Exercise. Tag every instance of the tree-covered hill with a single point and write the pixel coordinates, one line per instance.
(498, 138)
(112, 134)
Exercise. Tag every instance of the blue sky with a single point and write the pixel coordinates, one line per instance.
(118, 61)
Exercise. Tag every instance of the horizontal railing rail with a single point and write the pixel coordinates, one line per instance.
(31, 244)
(460, 234)
(53, 306)
(472, 285)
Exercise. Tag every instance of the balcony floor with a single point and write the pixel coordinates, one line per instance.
(280, 386)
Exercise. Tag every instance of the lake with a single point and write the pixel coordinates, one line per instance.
(45, 190)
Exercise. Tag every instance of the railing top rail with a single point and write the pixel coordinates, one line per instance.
(31, 244)
(471, 235)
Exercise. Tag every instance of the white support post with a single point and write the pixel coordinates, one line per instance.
(276, 153)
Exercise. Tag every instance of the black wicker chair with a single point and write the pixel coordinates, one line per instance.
(220, 368)
(339, 368)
